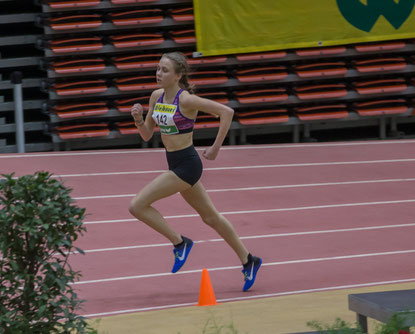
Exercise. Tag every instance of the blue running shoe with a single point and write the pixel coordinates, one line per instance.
(250, 271)
(180, 254)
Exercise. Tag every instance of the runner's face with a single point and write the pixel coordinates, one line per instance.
(166, 75)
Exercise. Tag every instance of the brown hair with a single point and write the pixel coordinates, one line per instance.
(181, 67)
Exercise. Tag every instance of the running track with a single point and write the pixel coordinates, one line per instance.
(322, 216)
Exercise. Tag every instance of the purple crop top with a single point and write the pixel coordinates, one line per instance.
(169, 118)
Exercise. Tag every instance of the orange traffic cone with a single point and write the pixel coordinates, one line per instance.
(206, 294)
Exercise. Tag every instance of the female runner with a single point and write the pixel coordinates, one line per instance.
(173, 108)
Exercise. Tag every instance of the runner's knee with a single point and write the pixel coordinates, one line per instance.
(136, 206)
(212, 220)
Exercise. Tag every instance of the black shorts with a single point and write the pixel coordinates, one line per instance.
(186, 164)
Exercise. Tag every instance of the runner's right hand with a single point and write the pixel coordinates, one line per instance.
(137, 112)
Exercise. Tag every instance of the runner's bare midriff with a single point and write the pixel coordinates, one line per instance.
(177, 142)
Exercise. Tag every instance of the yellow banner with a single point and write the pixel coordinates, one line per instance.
(243, 26)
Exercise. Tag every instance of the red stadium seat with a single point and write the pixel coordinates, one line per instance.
(129, 128)
(321, 69)
(124, 2)
(82, 131)
(371, 47)
(261, 56)
(262, 74)
(136, 83)
(86, 21)
(63, 4)
(137, 61)
(126, 128)
(381, 107)
(184, 36)
(72, 45)
(220, 97)
(268, 116)
(261, 95)
(201, 78)
(134, 17)
(78, 66)
(124, 105)
(80, 87)
(321, 51)
(134, 40)
(312, 113)
(205, 60)
(381, 86)
(380, 64)
(321, 91)
(204, 121)
(76, 110)
(183, 14)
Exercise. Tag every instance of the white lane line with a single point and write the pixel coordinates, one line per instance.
(343, 257)
(330, 206)
(276, 294)
(307, 164)
(350, 286)
(324, 184)
(239, 147)
(367, 228)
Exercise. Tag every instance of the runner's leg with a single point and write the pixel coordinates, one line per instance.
(198, 199)
(162, 186)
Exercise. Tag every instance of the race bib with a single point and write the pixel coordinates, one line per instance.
(163, 116)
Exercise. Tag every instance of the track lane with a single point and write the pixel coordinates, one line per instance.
(102, 265)
(277, 279)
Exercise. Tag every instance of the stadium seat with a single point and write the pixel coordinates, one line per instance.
(380, 86)
(75, 45)
(78, 66)
(380, 64)
(321, 91)
(137, 61)
(128, 2)
(201, 78)
(267, 116)
(86, 21)
(129, 128)
(315, 52)
(381, 107)
(136, 83)
(134, 40)
(204, 121)
(261, 95)
(182, 14)
(261, 56)
(184, 36)
(79, 131)
(124, 105)
(322, 69)
(63, 4)
(81, 109)
(261, 74)
(221, 97)
(371, 47)
(80, 87)
(126, 128)
(321, 112)
(134, 17)
(204, 60)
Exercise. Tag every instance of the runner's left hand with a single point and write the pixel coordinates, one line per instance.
(210, 153)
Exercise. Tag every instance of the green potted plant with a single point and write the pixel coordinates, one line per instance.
(39, 223)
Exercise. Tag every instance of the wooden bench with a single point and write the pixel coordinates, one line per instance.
(383, 305)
